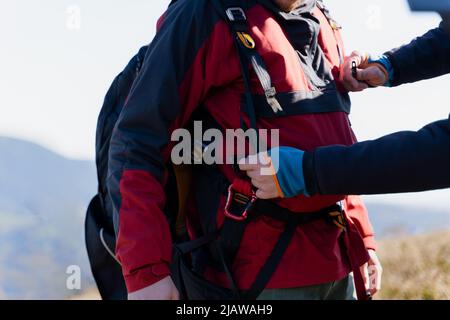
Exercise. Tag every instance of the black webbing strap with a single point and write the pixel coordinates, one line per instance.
(250, 55)
(237, 24)
(292, 221)
(249, 103)
(270, 209)
(304, 103)
(235, 16)
(228, 270)
(232, 231)
(189, 246)
(231, 235)
(269, 267)
(210, 239)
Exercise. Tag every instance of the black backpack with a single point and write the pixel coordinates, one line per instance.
(99, 227)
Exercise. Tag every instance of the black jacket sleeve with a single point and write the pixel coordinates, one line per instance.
(171, 85)
(425, 57)
(401, 162)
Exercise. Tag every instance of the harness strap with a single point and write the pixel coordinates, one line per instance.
(268, 269)
(233, 230)
(241, 194)
(334, 25)
(303, 103)
(353, 239)
(265, 80)
(248, 54)
(272, 210)
(225, 260)
(292, 221)
(226, 241)
(210, 239)
(189, 246)
(240, 199)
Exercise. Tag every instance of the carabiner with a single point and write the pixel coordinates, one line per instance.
(249, 202)
(246, 40)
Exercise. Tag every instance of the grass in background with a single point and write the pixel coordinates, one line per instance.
(416, 267)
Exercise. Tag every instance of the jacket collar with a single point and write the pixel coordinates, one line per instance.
(307, 6)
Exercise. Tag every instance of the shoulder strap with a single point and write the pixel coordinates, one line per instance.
(333, 23)
(232, 231)
(233, 12)
(335, 26)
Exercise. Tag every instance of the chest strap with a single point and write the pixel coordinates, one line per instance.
(305, 102)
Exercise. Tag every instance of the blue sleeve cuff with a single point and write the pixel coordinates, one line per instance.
(288, 165)
(386, 63)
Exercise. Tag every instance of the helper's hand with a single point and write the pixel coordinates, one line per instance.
(372, 272)
(367, 74)
(266, 184)
(161, 290)
(279, 175)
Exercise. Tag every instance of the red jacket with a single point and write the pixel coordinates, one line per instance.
(192, 61)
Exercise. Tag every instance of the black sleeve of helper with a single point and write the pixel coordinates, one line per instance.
(425, 57)
(400, 162)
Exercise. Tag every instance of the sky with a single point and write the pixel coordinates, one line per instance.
(58, 58)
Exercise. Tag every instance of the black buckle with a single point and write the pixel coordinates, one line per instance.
(236, 14)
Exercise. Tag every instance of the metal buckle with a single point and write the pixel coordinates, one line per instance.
(270, 93)
(244, 199)
(232, 14)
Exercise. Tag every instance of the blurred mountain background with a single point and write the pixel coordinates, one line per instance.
(43, 198)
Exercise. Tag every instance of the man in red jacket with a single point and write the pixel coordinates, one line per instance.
(192, 62)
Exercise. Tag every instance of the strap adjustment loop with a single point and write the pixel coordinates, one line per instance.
(236, 14)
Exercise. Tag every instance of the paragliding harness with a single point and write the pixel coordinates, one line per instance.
(217, 247)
